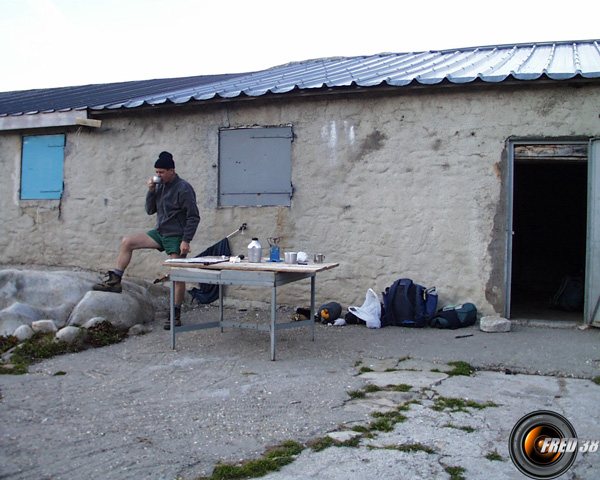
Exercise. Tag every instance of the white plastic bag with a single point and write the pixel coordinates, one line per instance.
(369, 311)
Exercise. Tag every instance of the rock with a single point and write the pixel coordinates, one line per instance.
(139, 330)
(23, 333)
(122, 310)
(65, 296)
(9, 325)
(6, 357)
(494, 324)
(94, 321)
(16, 315)
(71, 334)
(24, 312)
(343, 436)
(44, 326)
(51, 294)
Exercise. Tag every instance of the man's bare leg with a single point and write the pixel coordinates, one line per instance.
(179, 286)
(179, 296)
(129, 244)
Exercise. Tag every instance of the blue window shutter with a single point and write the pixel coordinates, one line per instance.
(42, 167)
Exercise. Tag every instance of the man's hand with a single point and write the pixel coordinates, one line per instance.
(184, 248)
(151, 184)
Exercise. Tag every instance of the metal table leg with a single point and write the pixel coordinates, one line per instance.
(273, 319)
(221, 307)
(172, 314)
(312, 307)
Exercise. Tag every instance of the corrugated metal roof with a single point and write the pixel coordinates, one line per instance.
(494, 64)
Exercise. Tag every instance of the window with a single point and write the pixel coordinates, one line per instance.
(255, 166)
(42, 167)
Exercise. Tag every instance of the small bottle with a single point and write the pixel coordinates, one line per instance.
(254, 251)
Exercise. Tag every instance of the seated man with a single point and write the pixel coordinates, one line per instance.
(174, 202)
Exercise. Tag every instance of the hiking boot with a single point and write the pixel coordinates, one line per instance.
(167, 324)
(112, 283)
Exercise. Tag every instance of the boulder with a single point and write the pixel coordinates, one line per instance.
(9, 325)
(16, 315)
(44, 326)
(138, 329)
(93, 321)
(28, 295)
(71, 334)
(494, 324)
(23, 333)
(40, 294)
(122, 310)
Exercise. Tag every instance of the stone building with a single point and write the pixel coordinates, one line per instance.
(474, 170)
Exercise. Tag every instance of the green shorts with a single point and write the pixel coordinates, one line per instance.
(167, 244)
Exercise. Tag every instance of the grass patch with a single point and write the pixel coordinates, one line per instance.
(382, 425)
(104, 334)
(7, 342)
(44, 345)
(365, 369)
(322, 444)
(405, 407)
(360, 429)
(385, 421)
(272, 461)
(411, 448)
(353, 443)
(596, 380)
(403, 387)
(461, 368)
(356, 394)
(494, 456)
(372, 389)
(456, 473)
(458, 404)
(464, 429)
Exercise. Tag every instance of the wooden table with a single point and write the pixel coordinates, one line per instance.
(265, 274)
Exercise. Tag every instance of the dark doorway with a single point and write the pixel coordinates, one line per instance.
(549, 241)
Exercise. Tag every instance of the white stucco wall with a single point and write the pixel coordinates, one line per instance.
(389, 186)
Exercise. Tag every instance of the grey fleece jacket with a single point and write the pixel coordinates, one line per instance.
(176, 209)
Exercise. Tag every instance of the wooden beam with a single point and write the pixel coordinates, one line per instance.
(88, 122)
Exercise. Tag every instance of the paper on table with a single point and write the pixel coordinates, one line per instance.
(203, 260)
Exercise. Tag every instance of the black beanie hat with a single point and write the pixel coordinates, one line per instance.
(165, 160)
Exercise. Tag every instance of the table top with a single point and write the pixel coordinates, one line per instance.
(263, 266)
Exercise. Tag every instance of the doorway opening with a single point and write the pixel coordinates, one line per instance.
(549, 228)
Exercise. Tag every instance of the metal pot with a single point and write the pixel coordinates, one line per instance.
(290, 257)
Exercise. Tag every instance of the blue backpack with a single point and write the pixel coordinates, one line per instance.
(408, 304)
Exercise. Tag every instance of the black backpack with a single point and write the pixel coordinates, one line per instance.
(570, 295)
(206, 292)
(455, 316)
(408, 304)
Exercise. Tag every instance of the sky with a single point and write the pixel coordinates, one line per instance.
(57, 43)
